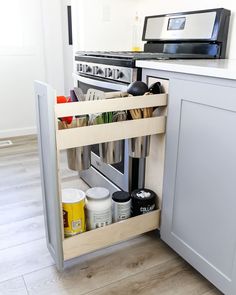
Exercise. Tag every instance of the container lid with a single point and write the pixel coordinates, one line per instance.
(97, 193)
(121, 196)
(143, 194)
(72, 195)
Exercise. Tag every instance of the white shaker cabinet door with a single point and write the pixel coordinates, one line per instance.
(199, 192)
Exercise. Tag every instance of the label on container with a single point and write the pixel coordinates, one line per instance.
(121, 211)
(74, 218)
(147, 209)
(96, 219)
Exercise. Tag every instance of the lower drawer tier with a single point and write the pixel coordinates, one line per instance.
(109, 235)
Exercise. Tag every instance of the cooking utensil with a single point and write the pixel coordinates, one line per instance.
(155, 88)
(79, 94)
(94, 94)
(73, 96)
(111, 152)
(137, 88)
(107, 117)
(147, 112)
(115, 94)
(79, 158)
(119, 116)
(136, 114)
(139, 146)
(66, 120)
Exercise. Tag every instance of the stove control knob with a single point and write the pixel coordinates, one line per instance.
(87, 69)
(80, 67)
(118, 74)
(108, 73)
(121, 75)
(100, 72)
(97, 70)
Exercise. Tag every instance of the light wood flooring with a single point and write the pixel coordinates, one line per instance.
(144, 265)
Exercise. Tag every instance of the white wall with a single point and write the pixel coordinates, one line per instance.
(154, 7)
(53, 43)
(103, 24)
(19, 66)
(38, 57)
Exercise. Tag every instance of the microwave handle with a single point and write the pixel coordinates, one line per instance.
(101, 84)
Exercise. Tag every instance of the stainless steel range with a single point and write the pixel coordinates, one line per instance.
(187, 35)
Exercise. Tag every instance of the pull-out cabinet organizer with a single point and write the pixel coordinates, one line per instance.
(52, 141)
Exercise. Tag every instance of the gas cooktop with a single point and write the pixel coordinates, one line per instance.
(123, 54)
(128, 58)
(138, 55)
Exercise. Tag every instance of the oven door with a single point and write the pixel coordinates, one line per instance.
(101, 173)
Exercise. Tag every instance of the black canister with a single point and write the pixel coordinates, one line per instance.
(143, 201)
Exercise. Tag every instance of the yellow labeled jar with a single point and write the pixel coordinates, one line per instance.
(73, 203)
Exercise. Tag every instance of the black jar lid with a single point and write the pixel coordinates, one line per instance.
(143, 194)
(120, 196)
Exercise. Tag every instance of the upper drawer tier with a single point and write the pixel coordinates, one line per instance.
(74, 137)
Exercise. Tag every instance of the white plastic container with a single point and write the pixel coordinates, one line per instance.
(98, 208)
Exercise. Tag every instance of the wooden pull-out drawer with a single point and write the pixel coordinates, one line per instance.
(52, 140)
(67, 138)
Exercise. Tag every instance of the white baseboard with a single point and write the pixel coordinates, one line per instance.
(17, 132)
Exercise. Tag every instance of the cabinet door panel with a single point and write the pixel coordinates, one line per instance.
(199, 194)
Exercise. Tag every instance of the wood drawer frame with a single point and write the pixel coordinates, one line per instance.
(52, 140)
(110, 234)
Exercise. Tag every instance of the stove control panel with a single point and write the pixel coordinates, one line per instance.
(116, 73)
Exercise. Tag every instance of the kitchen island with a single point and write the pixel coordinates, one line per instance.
(198, 217)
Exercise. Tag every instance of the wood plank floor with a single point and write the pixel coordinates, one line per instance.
(144, 265)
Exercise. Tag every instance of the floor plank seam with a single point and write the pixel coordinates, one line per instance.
(25, 285)
(28, 273)
(21, 244)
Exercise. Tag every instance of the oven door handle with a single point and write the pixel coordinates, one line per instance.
(101, 84)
